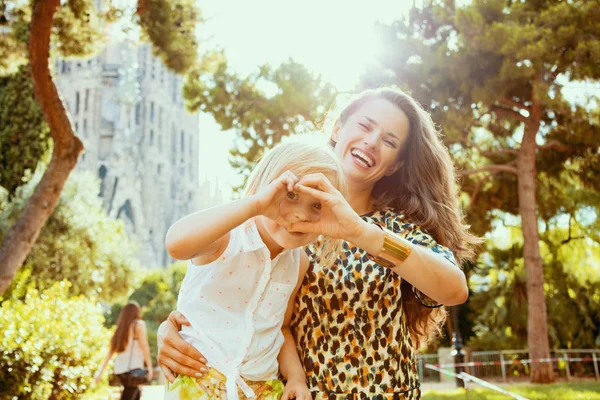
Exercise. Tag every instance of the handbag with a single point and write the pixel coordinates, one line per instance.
(137, 376)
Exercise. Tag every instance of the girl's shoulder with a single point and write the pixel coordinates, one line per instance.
(241, 239)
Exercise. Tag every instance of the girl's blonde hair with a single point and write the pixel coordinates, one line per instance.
(426, 191)
(301, 157)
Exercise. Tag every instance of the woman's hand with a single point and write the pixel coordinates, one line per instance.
(268, 199)
(149, 375)
(296, 389)
(175, 356)
(338, 219)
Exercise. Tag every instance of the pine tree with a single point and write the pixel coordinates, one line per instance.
(491, 72)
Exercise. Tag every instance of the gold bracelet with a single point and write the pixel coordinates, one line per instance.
(395, 249)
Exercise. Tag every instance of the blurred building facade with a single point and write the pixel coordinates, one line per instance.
(128, 111)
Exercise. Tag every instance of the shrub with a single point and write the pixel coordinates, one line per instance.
(51, 344)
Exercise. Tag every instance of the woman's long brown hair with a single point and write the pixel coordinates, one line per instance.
(426, 191)
(130, 313)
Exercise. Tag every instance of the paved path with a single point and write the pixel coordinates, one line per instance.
(158, 392)
(153, 393)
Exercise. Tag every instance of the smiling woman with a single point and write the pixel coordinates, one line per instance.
(358, 323)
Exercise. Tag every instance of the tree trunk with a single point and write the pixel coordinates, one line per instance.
(537, 320)
(23, 234)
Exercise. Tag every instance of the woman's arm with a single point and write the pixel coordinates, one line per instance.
(175, 355)
(203, 232)
(429, 272)
(100, 371)
(142, 337)
(289, 361)
(432, 274)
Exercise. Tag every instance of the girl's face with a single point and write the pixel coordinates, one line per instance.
(295, 207)
(369, 142)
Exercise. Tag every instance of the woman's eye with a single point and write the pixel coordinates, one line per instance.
(292, 195)
(390, 143)
(364, 126)
(317, 206)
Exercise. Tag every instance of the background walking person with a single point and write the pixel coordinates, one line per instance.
(130, 344)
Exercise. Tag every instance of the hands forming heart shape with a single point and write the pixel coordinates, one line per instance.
(337, 220)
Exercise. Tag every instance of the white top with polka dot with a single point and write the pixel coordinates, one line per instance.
(236, 306)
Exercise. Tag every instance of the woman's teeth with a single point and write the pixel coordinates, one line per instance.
(363, 158)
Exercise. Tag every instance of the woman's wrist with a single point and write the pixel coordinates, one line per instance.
(393, 251)
(368, 238)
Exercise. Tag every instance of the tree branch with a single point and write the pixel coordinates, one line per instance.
(491, 168)
(556, 145)
(508, 113)
(22, 235)
(489, 153)
(513, 103)
(142, 7)
(567, 240)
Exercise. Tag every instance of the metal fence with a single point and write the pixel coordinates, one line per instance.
(511, 365)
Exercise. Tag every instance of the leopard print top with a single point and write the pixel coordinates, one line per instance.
(349, 324)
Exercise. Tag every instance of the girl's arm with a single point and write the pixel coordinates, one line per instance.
(289, 361)
(100, 371)
(142, 337)
(204, 232)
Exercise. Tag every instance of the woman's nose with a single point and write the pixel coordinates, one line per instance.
(371, 140)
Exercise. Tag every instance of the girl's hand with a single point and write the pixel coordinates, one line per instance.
(296, 389)
(149, 375)
(268, 200)
(338, 219)
(175, 355)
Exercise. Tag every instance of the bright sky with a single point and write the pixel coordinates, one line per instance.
(332, 38)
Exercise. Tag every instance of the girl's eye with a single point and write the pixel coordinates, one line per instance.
(292, 195)
(317, 206)
(364, 126)
(390, 143)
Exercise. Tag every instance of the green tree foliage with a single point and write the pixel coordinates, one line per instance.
(24, 134)
(171, 27)
(51, 344)
(572, 287)
(157, 295)
(475, 68)
(14, 24)
(570, 247)
(78, 31)
(72, 28)
(262, 107)
(492, 74)
(80, 243)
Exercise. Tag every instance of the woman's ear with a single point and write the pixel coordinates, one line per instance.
(336, 130)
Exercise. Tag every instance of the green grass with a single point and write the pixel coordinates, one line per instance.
(557, 391)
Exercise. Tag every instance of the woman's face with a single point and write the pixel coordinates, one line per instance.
(369, 142)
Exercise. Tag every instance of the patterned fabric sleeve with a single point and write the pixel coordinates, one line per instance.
(395, 222)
